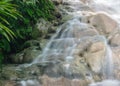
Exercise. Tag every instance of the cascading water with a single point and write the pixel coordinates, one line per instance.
(108, 67)
(62, 45)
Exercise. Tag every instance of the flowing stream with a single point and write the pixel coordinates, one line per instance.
(69, 35)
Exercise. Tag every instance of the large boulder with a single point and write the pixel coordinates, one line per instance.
(25, 56)
(41, 29)
(103, 23)
(96, 54)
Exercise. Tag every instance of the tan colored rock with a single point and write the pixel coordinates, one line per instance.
(116, 57)
(114, 41)
(61, 81)
(116, 60)
(103, 23)
(82, 32)
(79, 30)
(95, 56)
(95, 47)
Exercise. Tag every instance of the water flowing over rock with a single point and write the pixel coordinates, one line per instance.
(85, 49)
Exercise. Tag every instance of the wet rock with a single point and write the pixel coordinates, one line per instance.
(58, 15)
(43, 42)
(32, 49)
(31, 43)
(16, 58)
(41, 29)
(66, 18)
(25, 56)
(8, 73)
(30, 54)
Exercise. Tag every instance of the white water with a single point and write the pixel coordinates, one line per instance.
(111, 7)
(106, 83)
(109, 66)
(30, 83)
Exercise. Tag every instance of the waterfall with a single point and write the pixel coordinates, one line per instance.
(62, 45)
(63, 42)
(108, 67)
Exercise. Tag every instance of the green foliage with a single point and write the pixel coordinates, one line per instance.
(7, 10)
(17, 21)
(4, 48)
(31, 10)
(41, 8)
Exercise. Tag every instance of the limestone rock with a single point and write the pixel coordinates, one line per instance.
(95, 55)
(103, 23)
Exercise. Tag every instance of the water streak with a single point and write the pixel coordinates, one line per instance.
(108, 65)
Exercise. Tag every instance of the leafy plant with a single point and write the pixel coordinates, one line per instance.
(33, 10)
(7, 10)
(13, 25)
